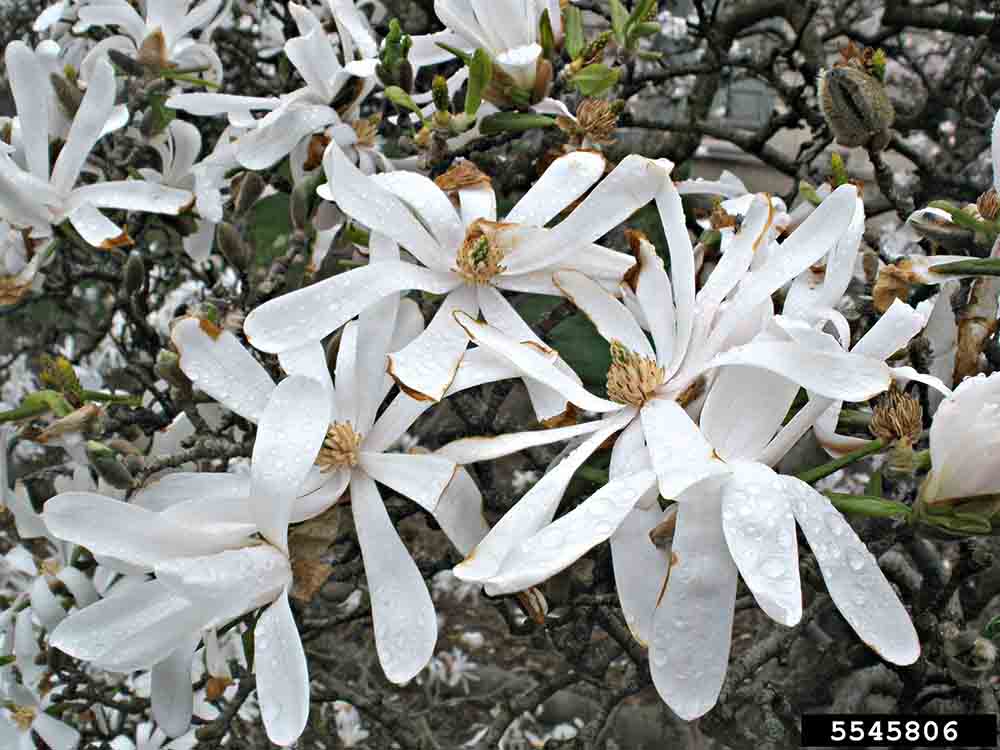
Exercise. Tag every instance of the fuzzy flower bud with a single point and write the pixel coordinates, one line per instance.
(856, 107)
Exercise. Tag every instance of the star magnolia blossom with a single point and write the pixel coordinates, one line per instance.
(333, 91)
(161, 40)
(967, 418)
(467, 255)
(24, 714)
(354, 456)
(35, 198)
(179, 148)
(652, 384)
(509, 30)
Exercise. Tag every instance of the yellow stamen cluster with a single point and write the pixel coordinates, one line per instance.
(341, 448)
(12, 290)
(23, 717)
(596, 119)
(988, 205)
(898, 416)
(366, 130)
(632, 379)
(479, 258)
(51, 566)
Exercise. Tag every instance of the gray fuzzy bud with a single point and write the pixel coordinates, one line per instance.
(135, 273)
(233, 248)
(251, 186)
(856, 107)
(108, 466)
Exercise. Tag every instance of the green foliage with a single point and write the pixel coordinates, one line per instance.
(270, 227)
(596, 79)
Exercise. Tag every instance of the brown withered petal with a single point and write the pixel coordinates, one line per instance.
(464, 174)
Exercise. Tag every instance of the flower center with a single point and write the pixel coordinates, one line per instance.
(366, 129)
(479, 258)
(12, 290)
(341, 448)
(51, 566)
(23, 717)
(632, 379)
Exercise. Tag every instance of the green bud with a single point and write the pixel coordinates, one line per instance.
(394, 67)
(58, 375)
(135, 274)
(168, 367)
(439, 90)
(67, 93)
(403, 100)
(480, 76)
(105, 461)
(233, 248)
(514, 122)
(838, 170)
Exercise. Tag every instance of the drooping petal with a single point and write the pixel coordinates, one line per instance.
(402, 611)
(681, 455)
(682, 268)
(565, 181)
(473, 450)
(282, 674)
(535, 509)
(566, 540)
(274, 140)
(459, 513)
(130, 630)
(291, 430)
(654, 294)
(97, 229)
(218, 364)
(314, 312)
(132, 195)
(611, 318)
(834, 374)
(531, 363)
(310, 360)
(426, 367)
(420, 477)
(855, 582)
(692, 627)
(171, 690)
(760, 533)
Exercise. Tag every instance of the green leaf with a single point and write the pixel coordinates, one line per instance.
(403, 100)
(619, 18)
(977, 266)
(514, 122)
(874, 486)
(640, 30)
(270, 227)
(546, 36)
(465, 57)
(574, 31)
(868, 505)
(640, 12)
(480, 75)
(596, 79)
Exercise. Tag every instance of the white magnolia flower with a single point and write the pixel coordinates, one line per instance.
(209, 569)
(350, 730)
(179, 148)
(161, 40)
(963, 431)
(19, 275)
(355, 456)
(509, 30)
(332, 94)
(37, 197)
(23, 714)
(651, 384)
(467, 254)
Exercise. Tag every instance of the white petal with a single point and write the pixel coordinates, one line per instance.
(654, 293)
(430, 204)
(28, 83)
(282, 674)
(853, 578)
(567, 539)
(218, 364)
(348, 387)
(681, 455)
(175, 489)
(531, 363)
(310, 361)
(566, 179)
(45, 604)
(402, 611)
(893, 331)
(459, 513)
(314, 59)
(291, 431)
(130, 630)
(427, 49)
(88, 124)
(421, 478)
(640, 566)
(760, 533)
(123, 531)
(97, 229)
(115, 13)
(478, 202)
(535, 509)
(692, 627)
(79, 585)
(682, 268)
(316, 311)
(26, 648)
(364, 200)
(472, 450)
(207, 104)
(132, 195)
(611, 318)
(632, 184)
(839, 375)
(56, 734)
(171, 690)
(269, 143)
(427, 366)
